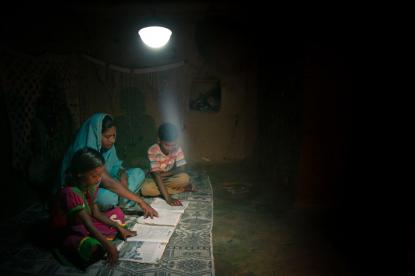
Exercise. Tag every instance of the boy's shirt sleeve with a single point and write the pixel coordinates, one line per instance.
(180, 161)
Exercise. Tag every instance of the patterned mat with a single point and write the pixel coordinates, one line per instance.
(189, 251)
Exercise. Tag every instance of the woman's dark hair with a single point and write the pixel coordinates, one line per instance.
(107, 123)
(84, 160)
(168, 132)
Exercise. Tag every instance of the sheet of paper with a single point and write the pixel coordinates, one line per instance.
(160, 205)
(165, 218)
(153, 233)
(141, 251)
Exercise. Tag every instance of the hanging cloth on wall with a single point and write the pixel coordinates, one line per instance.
(135, 70)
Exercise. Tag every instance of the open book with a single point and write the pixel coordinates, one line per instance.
(169, 218)
(161, 205)
(141, 252)
(152, 233)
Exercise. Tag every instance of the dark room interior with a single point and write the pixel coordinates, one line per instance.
(275, 105)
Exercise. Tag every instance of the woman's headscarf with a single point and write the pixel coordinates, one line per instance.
(89, 135)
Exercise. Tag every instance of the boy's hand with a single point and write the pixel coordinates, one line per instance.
(174, 202)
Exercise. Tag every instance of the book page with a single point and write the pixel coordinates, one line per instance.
(160, 204)
(165, 218)
(141, 252)
(153, 233)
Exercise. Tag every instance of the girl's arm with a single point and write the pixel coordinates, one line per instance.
(125, 233)
(108, 246)
(115, 186)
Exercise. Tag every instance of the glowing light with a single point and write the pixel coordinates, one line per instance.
(155, 36)
(170, 109)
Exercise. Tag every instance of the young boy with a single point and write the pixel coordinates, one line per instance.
(167, 167)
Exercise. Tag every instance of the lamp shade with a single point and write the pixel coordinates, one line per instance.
(155, 36)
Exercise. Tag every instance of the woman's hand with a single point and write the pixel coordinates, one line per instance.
(125, 233)
(148, 210)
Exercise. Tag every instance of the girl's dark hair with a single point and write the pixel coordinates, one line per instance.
(107, 123)
(168, 132)
(84, 160)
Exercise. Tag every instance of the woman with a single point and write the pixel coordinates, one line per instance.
(118, 185)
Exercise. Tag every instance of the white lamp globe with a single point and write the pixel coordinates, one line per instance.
(155, 36)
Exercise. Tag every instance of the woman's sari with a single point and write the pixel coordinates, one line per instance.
(89, 135)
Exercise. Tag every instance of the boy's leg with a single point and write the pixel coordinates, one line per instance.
(177, 183)
(174, 185)
(149, 188)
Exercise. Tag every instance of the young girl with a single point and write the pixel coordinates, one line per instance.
(83, 234)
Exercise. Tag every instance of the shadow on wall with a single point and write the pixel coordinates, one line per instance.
(223, 44)
(6, 169)
(52, 129)
(137, 131)
(32, 175)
